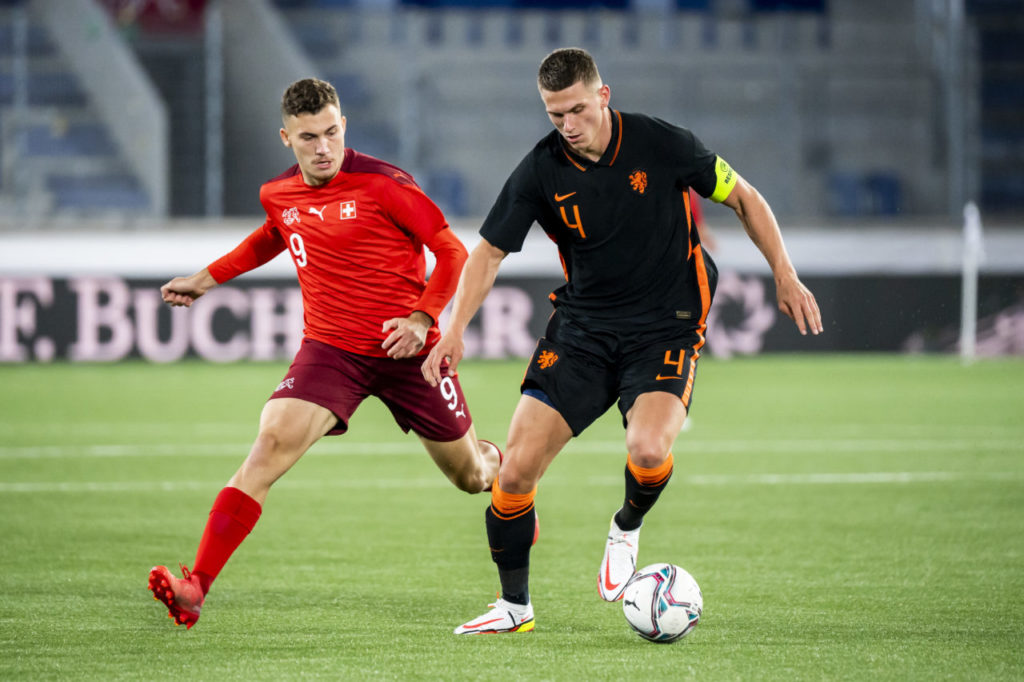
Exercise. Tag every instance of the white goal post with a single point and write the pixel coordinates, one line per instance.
(973, 255)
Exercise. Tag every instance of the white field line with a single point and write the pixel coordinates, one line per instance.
(834, 478)
(238, 450)
(179, 486)
(340, 446)
(875, 477)
(99, 429)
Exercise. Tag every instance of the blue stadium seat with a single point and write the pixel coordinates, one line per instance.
(885, 193)
(39, 44)
(375, 140)
(448, 190)
(85, 139)
(6, 89)
(320, 44)
(352, 88)
(104, 192)
(1003, 192)
(55, 89)
(875, 193)
(845, 197)
(787, 5)
(47, 89)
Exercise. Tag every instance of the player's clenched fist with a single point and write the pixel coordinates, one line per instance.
(183, 291)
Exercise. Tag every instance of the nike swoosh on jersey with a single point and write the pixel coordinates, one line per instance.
(563, 197)
(661, 378)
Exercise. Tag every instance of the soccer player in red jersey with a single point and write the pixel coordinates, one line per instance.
(355, 228)
(611, 189)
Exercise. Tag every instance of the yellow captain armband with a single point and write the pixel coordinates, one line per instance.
(725, 180)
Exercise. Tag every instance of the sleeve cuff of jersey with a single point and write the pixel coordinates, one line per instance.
(432, 314)
(504, 247)
(219, 273)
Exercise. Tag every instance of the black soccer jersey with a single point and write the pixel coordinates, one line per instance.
(623, 226)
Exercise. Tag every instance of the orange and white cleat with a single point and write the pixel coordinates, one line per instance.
(619, 562)
(182, 597)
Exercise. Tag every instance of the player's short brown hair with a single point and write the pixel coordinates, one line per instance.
(308, 96)
(565, 67)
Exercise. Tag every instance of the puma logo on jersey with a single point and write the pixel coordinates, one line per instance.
(319, 212)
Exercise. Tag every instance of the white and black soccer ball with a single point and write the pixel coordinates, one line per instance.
(662, 603)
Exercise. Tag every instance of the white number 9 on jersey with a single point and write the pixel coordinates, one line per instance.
(298, 249)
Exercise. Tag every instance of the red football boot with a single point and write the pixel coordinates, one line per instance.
(182, 597)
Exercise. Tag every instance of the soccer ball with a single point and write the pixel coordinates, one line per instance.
(662, 603)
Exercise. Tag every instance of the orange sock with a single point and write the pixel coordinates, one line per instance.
(654, 477)
(508, 506)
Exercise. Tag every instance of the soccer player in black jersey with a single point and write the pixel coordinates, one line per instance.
(611, 190)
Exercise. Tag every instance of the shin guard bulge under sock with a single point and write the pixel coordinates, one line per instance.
(232, 518)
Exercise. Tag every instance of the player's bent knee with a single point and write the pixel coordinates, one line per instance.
(272, 444)
(512, 482)
(648, 455)
(470, 484)
(268, 442)
(469, 480)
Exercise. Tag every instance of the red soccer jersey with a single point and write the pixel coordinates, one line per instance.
(357, 244)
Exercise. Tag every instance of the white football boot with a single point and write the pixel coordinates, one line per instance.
(619, 562)
(504, 616)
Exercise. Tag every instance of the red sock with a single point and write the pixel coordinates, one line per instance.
(231, 519)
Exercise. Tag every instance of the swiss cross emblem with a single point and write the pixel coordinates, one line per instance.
(348, 210)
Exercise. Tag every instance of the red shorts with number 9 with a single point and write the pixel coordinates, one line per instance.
(340, 381)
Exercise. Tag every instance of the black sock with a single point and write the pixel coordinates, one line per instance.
(639, 500)
(515, 585)
(510, 541)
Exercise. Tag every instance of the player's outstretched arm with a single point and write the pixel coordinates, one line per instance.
(794, 299)
(183, 291)
(259, 247)
(476, 281)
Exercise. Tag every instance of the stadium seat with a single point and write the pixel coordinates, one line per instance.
(448, 190)
(101, 192)
(45, 89)
(39, 44)
(85, 139)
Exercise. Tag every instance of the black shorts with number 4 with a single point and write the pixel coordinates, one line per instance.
(583, 370)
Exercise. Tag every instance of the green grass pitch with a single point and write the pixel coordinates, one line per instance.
(847, 518)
